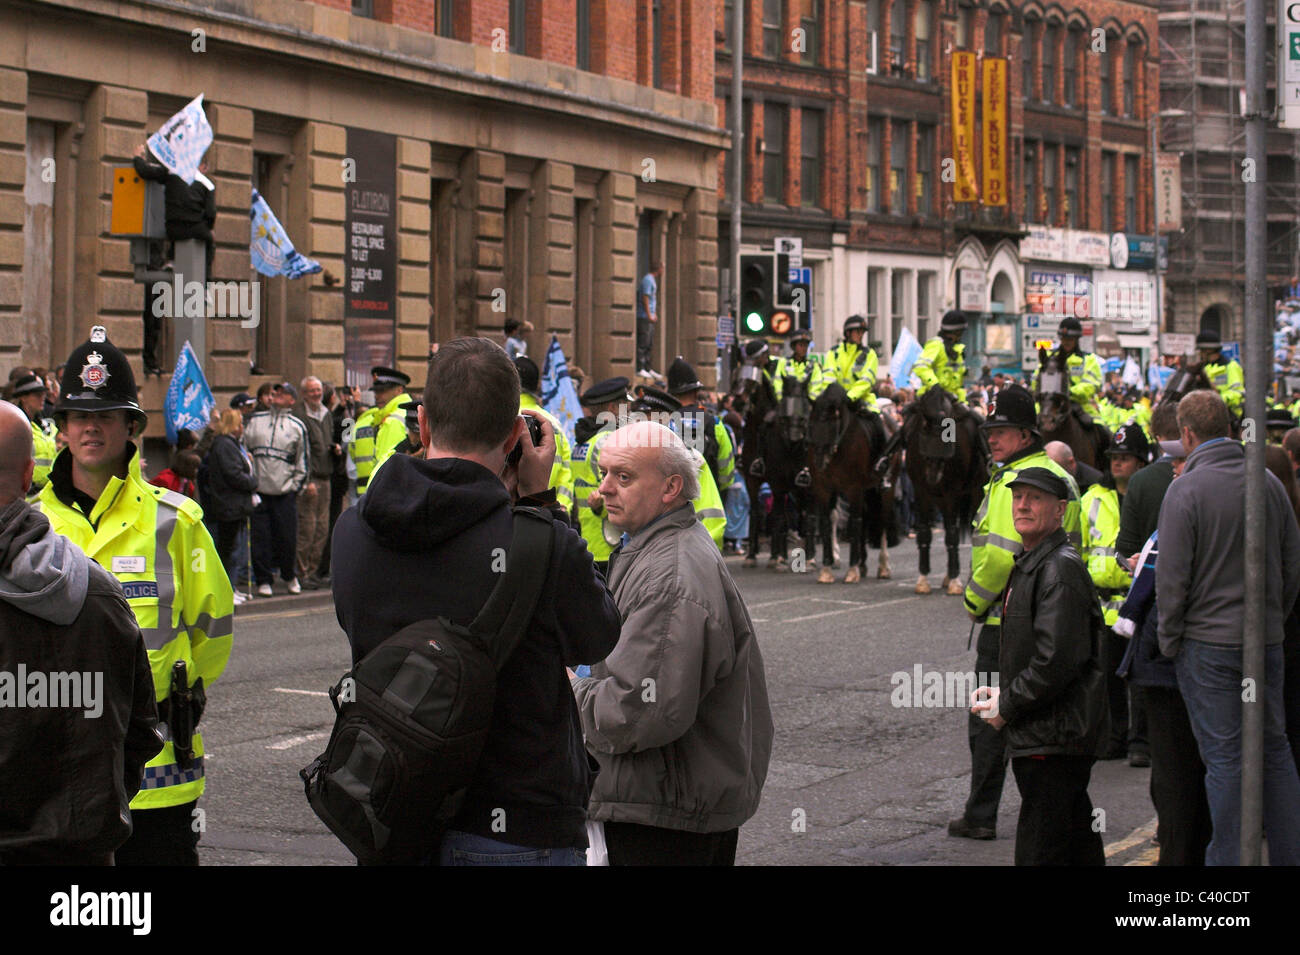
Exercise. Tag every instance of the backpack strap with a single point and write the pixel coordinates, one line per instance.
(509, 610)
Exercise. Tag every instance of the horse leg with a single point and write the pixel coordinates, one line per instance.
(751, 551)
(779, 531)
(951, 537)
(857, 543)
(825, 575)
(924, 534)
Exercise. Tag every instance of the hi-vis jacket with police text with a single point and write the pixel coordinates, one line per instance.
(154, 542)
(1101, 508)
(995, 542)
(376, 435)
(562, 468)
(796, 371)
(601, 536)
(935, 367)
(1085, 379)
(1229, 382)
(853, 366)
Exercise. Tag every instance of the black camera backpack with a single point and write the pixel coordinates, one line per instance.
(413, 715)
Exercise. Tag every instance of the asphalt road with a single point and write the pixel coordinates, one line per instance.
(854, 778)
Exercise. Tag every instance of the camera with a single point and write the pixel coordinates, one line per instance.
(534, 431)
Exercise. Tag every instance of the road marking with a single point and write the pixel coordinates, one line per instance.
(280, 689)
(293, 741)
(1138, 836)
(1150, 857)
(859, 606)
(773, 603)
(281, 614)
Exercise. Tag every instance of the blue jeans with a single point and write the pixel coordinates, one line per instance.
(463, 848)
(1209, 677)
(737, 507)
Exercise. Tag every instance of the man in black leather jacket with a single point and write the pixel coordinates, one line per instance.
(1051, 704)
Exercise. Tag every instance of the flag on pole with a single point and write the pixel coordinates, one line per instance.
(1132, 373)
(1158, 375)
(906, 352)
(270, 249)
(189, 401)
(559, 397)
(183, 140)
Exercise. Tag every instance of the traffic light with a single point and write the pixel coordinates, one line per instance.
(757, 292)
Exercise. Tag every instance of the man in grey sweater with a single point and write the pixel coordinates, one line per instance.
(1200, 596)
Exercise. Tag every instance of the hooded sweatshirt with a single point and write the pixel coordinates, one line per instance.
(421, 545)
(77, 710)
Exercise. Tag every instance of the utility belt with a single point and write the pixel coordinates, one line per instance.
(181, 711)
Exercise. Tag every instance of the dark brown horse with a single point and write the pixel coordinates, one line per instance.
(1058, 415)
(1191, 378)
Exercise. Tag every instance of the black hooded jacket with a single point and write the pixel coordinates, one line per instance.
(420, 545)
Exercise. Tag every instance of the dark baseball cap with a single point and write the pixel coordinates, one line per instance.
(286, 387)
(1044, 480)
(242, 400)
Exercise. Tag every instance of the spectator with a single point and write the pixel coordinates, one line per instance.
(1279, 462)
(278, 443)
(1200, 594)
(647, 316)
(180, 475)
(314, 501)
(1051, 707)
(339, 400)
(264, 402)
(66, 779)
(516, 344)
(1084, 475)
(684, 692)
(1146, 489)
(434, 524)
(230, 491)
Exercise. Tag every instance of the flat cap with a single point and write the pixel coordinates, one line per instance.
(1044, 480)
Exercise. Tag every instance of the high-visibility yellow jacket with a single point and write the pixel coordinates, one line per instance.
(935, 367)
(995, 541)
(562, 467)
(1229, 382)
(375, 436)
(1100, 508)
(154, 542)
(788, 368)
(601, 536)
(694, 417)
(708, 506)
(43, 451)
(1085, 379)
(853, 366)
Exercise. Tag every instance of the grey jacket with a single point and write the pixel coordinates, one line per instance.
(677, 716)
(280, 447)
(320, 433)
(1200, 577)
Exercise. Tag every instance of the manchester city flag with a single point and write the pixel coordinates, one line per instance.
(189, 401)
(183, 140)
(906, 352)
(270, 249)
(559, 397)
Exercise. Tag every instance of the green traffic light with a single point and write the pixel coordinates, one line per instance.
(754, 322)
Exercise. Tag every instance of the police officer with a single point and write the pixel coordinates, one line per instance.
(411, 443)
(153, 540)
(1279, 422)
(601, 402)
(851, 363)
(791, 380)
(379, 430)
(1015, 444)
(1083, 367)
(708, 506)
(1101, 506)
(1225, 375)
(28, 392)
(529, 397)
(719, 450)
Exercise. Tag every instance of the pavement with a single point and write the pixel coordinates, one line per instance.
(854, 778)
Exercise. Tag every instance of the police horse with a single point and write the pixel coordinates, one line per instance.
(1191, 378)
(1059, 416)
(945, 460)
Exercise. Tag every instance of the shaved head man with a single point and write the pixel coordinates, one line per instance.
(646, 471)
(16, 464)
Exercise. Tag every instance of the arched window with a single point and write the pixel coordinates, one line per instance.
(1051, 35)
(1130, 77)
(1069, 67)
(1107, 76)
(993, 33)
(1029, 56)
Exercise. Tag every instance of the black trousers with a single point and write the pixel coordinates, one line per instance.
(988, 765)
(226, 537)
(275, 537)
(338, 492)
(152, 329)
(1055, 825)
(1177, 780)
(1128, 718)
(630, 844)
(645, 340)
(162, 837)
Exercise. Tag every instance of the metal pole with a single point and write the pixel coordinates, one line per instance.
(737, 149)
(1258, 356)
(1155, 221)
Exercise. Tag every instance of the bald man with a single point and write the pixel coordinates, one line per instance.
(65, 784)
(1084, 475)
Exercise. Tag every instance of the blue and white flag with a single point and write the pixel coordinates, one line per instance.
(906, 352)
(559, 397)
(1112, 366)
(1158, 376)
(1132, 373)
(189, 400)
(183, 140)
(270, 249)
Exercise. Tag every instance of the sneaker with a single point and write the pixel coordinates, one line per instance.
(240, 598)
(294, 586)
(264, 590)
(960, 827)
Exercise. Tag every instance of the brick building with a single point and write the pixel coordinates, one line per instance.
(531, 157)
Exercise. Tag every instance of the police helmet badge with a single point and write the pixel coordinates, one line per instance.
(94, 375)
(993, 407)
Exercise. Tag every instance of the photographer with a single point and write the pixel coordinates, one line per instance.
(425, 541)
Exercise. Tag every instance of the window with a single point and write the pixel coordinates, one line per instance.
(1051, 201)
(728, 23)
(993, 33)
(518, 24)
(810, 169)
(875, 174)
(1130, 193)
(1069, 67)
(773, 20)
(1029, 58)
(897, 168)
(363, 8)
(1051, 34)
(1130, 77)
(1108, 192)
(1107, 81)
(897, 36)
(584, 34)
(873, 36)
(1072, 170)
(965, 27)
(447, 18)
(873, 296)
(1031, 183)
(774, 153)
(924, 169)
(810, 22)
(924, 45)
(898, 282)
(923, 306)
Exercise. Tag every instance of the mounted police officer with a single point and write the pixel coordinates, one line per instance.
(379, 430)
(791, 379)
(1224, 375)
(28, 393)
(530, 379)
(1083, 368)
(601, 402)
(154, 542)
(852, 363)
(718, 448)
